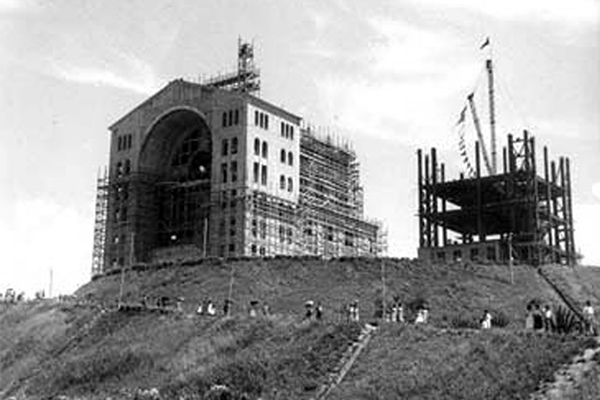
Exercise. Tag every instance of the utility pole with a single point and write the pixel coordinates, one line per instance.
(205, 238)
(383, 290)
(50, 285)
(510, 259)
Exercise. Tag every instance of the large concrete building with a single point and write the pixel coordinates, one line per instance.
(201, 170)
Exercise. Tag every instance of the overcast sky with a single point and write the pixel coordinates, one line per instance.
(391, 76)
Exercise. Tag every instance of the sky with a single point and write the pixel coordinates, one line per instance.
(390, 76)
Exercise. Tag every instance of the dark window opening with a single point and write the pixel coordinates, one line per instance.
(224, 147)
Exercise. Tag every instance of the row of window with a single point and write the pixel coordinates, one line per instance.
(261, 119)
(124, 142)
(259, 170)
(261, 250)
(230, 118)
(289, 159)
(226, 150)
(290, 183)
(287, 130)
(261, 148)
(229, 171)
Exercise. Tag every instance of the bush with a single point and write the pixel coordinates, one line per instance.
(499, 319)
(461, 322)
(566, 321)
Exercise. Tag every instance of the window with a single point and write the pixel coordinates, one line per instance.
(236, 117)
(282, 182)
(281, 233)
(491, 253)
(224, 173)
(230, 117)
(224, 119)
(263, 229)
(255, 172)
(224, 147)
(290, 235)
(290, 185)
(291, 132)
(232, 227)
(282, 156)
(234, 172)
(265, 150)
(283, 129)
(457, 255)
(231, 247)
(348, 239)
(253, 249)
(234, 145)
(256, 147)
(263, 175)
(256, 118)
(474, 254)
(119, 169)
(127, 167)
(119, 143)
(290, 158)
(262, 251)
(254, 228)
(233, 197)
(266, 121)
(329, 233)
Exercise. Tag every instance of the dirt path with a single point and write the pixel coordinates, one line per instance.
(569, 376)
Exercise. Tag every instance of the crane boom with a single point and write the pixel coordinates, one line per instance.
(477, 124)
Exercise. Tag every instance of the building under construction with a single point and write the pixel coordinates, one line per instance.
(521, 213)
(209, 169)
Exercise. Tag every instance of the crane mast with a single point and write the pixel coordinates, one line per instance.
(479, 133)
(490, 72)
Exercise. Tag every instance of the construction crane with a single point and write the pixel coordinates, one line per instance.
(490, 159)
(477, 124)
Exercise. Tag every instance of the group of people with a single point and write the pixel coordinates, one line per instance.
(539, 318)
(313, 310)
(207, 307)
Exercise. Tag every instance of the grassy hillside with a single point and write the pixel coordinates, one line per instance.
(285, 284)
(51, 349)
(423, 363)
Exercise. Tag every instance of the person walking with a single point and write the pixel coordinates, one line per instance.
(588, 314)
(486, 321)
(529, 318)
(548, 319)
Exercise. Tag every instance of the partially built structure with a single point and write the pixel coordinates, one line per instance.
(522, 213)
(204, 169)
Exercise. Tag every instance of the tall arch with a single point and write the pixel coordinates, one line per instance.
(173, 196)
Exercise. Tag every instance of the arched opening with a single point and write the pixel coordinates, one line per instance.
(175, 165)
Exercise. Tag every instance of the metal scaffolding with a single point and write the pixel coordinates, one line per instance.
(100, 224)
(517, 213)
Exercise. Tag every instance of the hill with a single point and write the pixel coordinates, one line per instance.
(85, 348)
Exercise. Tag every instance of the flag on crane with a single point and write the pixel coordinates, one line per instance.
(461, 117)
(486, 43)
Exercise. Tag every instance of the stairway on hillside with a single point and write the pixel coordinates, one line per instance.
(347, 361)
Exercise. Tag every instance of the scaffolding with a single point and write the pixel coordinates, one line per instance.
(517, 214)
(100, 224)
(247, 77)
(331, 201)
